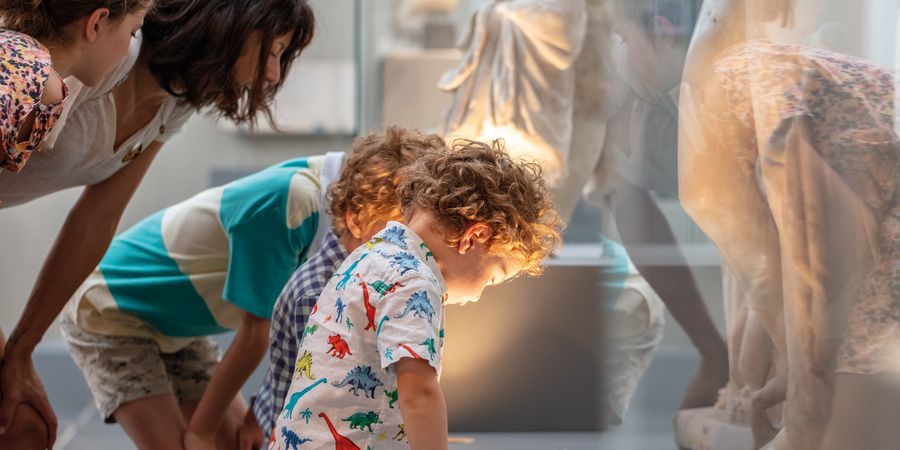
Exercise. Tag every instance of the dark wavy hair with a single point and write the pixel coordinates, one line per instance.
(47, 19)
(193, 46)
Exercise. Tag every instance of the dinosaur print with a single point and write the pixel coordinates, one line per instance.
(380, 324)
(400, 434)
(429, 343)
(428, 253)
(402, 262)
(340, 442)
(349, 324)
(306, 414)
(383, 288)
(339, 347)
(382, 436)
(304, 364)
(395, 235)
(339, 305)
(389, 354)
(348, 273)
(370, 309)
(291, 440)
(362, 420)
(310, 330)
(361, 377)
(419, 305)
(292, 403)
(411, 352)
(373, 242)
(392, 396)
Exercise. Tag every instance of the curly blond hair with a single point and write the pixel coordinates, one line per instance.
(371, 173)
(479, 182)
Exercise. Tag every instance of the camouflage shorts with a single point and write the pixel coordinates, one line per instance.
(121, 369)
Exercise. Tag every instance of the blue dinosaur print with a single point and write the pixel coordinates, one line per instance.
(291, 440)
(347, 274)
(403, 262)
(389, 354)
(339, 304)
(395, 235)
(419, 305)
(361, 377)
(292, 403)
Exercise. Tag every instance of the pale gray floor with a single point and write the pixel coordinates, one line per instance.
(648, 425)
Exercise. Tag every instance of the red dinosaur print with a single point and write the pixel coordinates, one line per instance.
(370, 310)
(339, 347)
(315, 308)
(411, 352)
(340, 442)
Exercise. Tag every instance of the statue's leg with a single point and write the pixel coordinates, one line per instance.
(823, 227)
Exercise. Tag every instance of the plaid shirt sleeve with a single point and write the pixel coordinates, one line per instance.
(291, 312)
(288, 318)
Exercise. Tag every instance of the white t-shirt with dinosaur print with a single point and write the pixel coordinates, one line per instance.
(384, 303)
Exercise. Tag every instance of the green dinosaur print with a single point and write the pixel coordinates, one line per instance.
(430, 344)
(428, 253)
(362, 420)
(310, 330)
(349, 324)
(392, 396)
(383, 288)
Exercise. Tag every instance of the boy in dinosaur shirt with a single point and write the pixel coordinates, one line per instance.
(368, 374)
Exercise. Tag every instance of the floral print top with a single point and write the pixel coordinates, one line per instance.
(25, 67)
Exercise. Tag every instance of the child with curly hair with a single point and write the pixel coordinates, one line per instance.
(139, 327)
(369, 370)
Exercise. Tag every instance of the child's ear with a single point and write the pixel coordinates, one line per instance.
(353, 226)
(477, 233)
(92, 24)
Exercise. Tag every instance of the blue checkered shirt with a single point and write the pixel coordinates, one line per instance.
(289, 318)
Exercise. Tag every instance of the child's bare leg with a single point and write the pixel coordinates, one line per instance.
(153, 422)
(227, 435)
(27, 432)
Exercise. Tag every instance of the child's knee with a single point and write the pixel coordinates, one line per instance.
(28, 431)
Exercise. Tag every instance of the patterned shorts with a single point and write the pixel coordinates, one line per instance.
(121, 369)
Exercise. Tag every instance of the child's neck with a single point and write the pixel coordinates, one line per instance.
(62, 57)
(424, 225)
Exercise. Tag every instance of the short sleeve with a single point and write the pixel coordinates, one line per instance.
(409, 322)
(174, 122)
(264, 250)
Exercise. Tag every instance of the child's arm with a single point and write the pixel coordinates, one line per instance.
(421, 405)
(242, 357)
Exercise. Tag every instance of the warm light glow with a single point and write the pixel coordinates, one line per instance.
(521, 144)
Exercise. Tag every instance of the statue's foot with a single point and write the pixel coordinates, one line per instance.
(703, 389)
(773, 393)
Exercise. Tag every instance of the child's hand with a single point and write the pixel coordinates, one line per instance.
(195, 441)
(250, 437)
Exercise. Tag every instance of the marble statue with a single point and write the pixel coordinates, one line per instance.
(790, 163)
